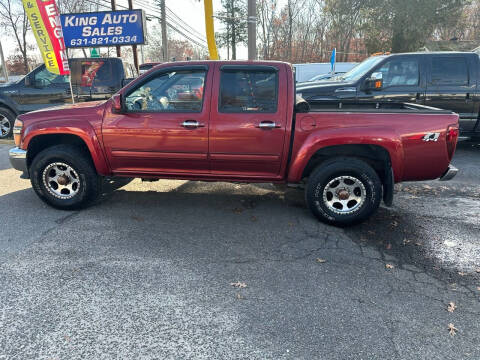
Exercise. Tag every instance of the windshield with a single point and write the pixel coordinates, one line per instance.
(361, 69)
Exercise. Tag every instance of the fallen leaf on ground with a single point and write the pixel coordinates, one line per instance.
(389, 266)
(477, 270)
(461, 273)
(394, 223)
(452, 329)
(239, 296)
(238, 284)
(237, 210)
(405, 241)
(478, 288)
(388, 246)
(451, 306)
(321, 261)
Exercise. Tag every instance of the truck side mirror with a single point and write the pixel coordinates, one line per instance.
(375, 81)
(117, 106)
(28, 80)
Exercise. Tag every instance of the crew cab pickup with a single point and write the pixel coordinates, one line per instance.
(92, 79)
(235, 122)
(445, 80)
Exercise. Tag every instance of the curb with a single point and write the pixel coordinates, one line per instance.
(7, 142)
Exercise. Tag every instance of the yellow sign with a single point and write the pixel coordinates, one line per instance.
(47, 28)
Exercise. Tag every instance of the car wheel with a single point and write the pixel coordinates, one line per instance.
(343, 191)
(7, 119)
(64, 177)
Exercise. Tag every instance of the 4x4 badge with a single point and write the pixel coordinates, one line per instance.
(431, 136)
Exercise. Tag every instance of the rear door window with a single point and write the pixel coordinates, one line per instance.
(449, 71)
(244, 91)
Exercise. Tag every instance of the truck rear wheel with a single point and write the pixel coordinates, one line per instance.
(343, 191)
(65, 178)
(7, 119)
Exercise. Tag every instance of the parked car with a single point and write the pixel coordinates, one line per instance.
(304, 72)
(92, 79)
(143, 68)
(239, 122)
(446, 80)
(328, 76)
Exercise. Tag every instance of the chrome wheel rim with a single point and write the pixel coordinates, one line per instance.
(344, 195)
(61, 180)
(5, 126)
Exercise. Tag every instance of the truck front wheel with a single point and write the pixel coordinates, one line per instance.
(65, 178)
(343, 191)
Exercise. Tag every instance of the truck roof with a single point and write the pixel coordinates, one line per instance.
(433, 53)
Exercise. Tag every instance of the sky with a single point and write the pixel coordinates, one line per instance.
(190, 11)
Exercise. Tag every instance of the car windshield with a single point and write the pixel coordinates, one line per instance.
(361, 69)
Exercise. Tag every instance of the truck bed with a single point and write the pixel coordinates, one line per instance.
(374, 106)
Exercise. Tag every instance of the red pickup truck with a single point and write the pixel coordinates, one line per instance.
(238, 122)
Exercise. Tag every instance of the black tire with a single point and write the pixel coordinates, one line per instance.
(353, 176)
(8, 120)
(89, 184)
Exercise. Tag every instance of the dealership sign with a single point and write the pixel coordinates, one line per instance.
(107, 28)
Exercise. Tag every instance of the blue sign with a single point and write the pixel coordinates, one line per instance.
(107, 28)
(333, 60)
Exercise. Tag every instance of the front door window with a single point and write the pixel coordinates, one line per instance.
(174, 91)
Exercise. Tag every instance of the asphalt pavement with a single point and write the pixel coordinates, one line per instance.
(147, 273)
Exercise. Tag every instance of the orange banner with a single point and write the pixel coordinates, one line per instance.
(47, 28)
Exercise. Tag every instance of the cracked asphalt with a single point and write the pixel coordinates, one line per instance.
(147, 273)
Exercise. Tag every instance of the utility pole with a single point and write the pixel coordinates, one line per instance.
(119, 51)
(252, 30)
(234, 40)
(134, 47)
(164, 31)
(4, 66)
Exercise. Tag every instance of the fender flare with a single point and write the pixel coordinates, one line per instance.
(77, 128)
(377, 136)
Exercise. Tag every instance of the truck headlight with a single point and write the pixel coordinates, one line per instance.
(17, 132)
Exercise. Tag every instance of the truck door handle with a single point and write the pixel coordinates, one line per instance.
(192, 124)
(268, 125)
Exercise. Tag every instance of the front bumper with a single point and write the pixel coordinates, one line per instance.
(449, 174)
(18, 159)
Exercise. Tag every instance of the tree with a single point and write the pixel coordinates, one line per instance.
(346, 19)
(234, 18)
(178, 49)
(405, 25)
(266, 14)
(15, 21)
